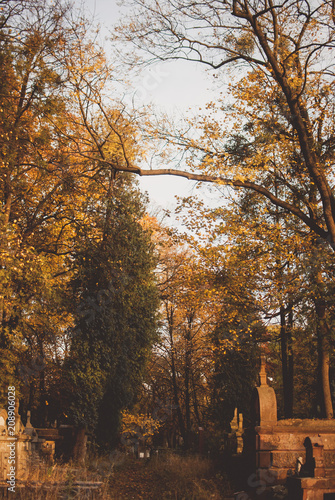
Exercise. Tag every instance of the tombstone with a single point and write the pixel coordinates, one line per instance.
(234, 422)
(3, 420)
(239, 434)
(230, 437)
(235, 437)
(264, 400)
(29, 428)
(19, 427)
(20, 450)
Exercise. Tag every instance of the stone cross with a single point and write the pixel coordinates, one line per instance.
(262, 373)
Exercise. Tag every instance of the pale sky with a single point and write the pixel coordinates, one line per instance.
(172, 87)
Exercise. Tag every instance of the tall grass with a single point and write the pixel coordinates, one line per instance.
(170, 477)
(190, 478)
(60, 482)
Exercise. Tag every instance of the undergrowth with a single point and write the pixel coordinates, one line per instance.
(169, 477)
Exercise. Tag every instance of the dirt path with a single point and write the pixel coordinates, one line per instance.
(141, 480)
(135, 480)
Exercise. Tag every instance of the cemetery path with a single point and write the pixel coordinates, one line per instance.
(179, 478)
(135, 480)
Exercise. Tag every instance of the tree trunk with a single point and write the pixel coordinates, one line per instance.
(287, 361)
(290, 365)
(176, 400)
(187, 397)
(174, 378)
(4, 248)
(195, 402)
(79, 450)
(323, 361)
(322, 332)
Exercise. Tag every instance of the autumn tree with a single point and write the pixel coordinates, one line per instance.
(174, 390)
(35, 183)
(277, 139)
(269, 268)
(115, 298)
(51, 184)
(187, 318)
(287, 48)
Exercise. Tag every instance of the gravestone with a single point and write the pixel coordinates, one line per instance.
(264, 400)
(286, 450)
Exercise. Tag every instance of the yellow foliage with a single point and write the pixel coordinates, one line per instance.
(138, 425)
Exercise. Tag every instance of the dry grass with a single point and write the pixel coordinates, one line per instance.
(191, 478)
(171, 477)
(61, 482)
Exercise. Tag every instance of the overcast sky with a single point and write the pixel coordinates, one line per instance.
(173, 87)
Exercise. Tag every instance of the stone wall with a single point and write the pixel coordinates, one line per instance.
(23, 447)
(15, 450)
(298, 453)
(281, 447)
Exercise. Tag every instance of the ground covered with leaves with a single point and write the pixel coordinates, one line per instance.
(170, 477)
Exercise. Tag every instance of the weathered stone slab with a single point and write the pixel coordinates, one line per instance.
(319, 425)
(291, 440)
(284, 441)
(48, 434)
(287, 459)
(328, 441)
(263, 459)
(310, 488)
